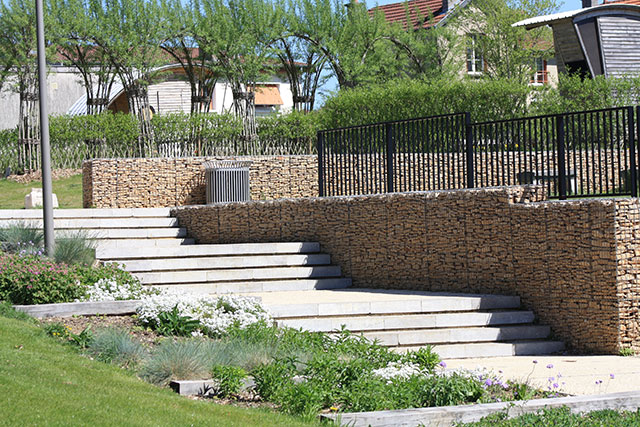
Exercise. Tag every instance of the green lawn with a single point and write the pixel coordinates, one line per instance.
(68, 190)
(43, 382)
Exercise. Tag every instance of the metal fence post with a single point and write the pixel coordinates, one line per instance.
(468, 131)
(320, 143)
(562, 171)
(632, 149)
(391, 148)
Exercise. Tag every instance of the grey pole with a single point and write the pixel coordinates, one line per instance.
(47, 199)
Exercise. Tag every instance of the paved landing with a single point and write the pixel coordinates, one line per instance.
(578, 374)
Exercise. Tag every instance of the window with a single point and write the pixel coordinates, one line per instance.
(475, 60)
(540, 73)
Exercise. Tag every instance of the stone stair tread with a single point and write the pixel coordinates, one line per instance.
(411, 321)
(362, 301)
(19, 214)
(261, 286)
(459, 335)
(103, 246)
(238, 274)
(215, 250)
(223, 262)
(100, 223)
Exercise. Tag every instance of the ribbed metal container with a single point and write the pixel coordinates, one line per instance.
(227, 181)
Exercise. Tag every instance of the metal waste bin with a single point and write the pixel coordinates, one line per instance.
(227, 181)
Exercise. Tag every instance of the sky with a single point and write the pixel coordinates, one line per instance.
(331, 85)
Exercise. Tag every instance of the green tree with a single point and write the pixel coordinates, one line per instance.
(72, 34)
(130, 33)
(20, 73)
(180, 44)
(508, 52)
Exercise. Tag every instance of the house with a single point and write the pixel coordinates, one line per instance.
(597, 39)
(427, 13)
(169, 93)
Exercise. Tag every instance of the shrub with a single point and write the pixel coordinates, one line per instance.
(74, 248)
(111, 290)
(405, 99)
(7, 310)
(173, 323)
(228, 379)
(21, 237)
(177, 360)
(31, 279)
(115, 345)
(111, 273)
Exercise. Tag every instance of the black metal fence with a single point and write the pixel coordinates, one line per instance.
(587, 153)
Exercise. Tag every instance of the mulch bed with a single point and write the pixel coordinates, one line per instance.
(129, 323)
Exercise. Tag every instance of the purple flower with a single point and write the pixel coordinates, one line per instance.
(549, 366)
(598, 382)
(442, 364)
(535, 361)
(488, 382)
(612, 376)
(555, 385)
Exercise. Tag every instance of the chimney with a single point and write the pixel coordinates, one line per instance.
(589, 3)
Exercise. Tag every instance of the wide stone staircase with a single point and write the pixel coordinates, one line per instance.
(301, 288)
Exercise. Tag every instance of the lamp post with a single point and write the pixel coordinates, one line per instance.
(47, 199)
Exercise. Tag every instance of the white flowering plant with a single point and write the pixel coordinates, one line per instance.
(113, 290)
(215, 314)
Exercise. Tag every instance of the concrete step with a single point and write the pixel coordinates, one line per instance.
(458, 335)
(409, 321)
(212, 250)
(141, 245)
(99, 223)
(473, 350)
(240, 274)
(261, 286)
(133, 233)
(26, 214)
(355, 301)
(220, 262)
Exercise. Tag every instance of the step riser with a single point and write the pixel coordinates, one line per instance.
(148, 233)
(440, 320)
(216, 250)
(205, 276)
(459, 335)
(409, 305)
(93, 223)
(172, 264)
(258, 286)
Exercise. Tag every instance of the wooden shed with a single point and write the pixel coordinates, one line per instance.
(599, 40)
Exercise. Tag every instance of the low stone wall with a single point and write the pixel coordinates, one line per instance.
(163, 182)
(575, 263)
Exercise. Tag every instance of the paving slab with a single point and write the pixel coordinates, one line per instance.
(579, 375)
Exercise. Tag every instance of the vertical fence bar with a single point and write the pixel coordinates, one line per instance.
(468, 135)
(562, 173)
(390, 152)
(632, 150)
(320, 143)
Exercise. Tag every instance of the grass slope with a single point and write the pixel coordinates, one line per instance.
(68, 190)
(43, 382)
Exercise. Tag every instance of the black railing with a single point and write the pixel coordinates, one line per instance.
(588, 153)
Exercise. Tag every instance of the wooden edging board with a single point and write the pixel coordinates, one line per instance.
(449, 415)
(68, 309)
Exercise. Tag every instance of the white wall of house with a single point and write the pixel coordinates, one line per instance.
(64, 88)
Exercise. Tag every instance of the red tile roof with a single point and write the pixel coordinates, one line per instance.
(419, 12)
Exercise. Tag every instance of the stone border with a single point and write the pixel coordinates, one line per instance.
(68, 309)
(448, 415)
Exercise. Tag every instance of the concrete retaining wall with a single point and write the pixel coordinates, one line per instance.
(575, 263)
